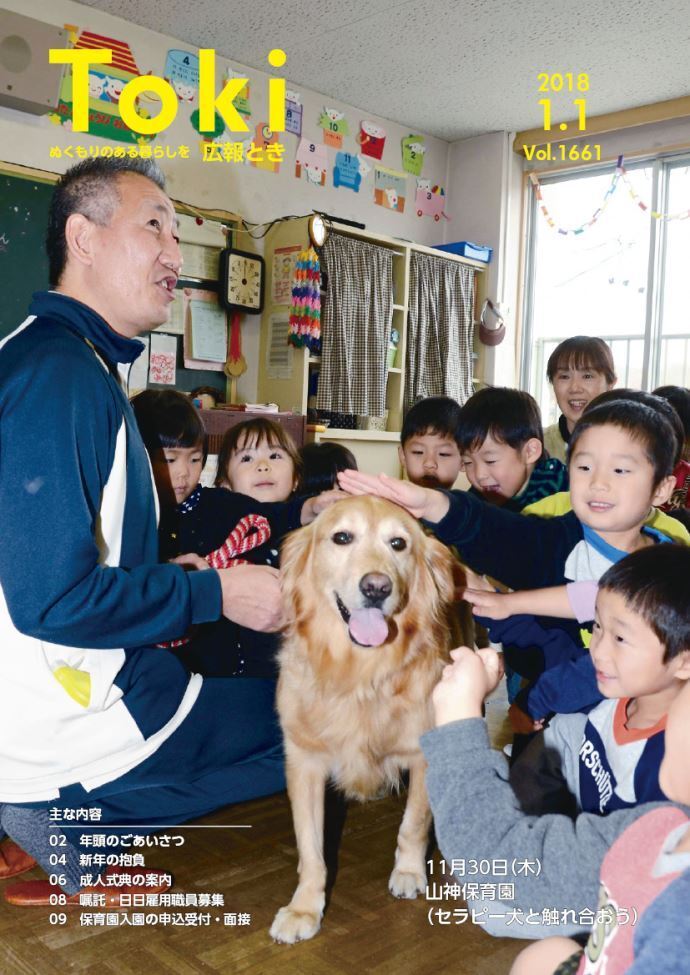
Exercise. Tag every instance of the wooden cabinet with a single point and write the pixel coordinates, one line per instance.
(284, 372)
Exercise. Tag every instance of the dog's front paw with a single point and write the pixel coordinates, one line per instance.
(290, 926)
(407, 883)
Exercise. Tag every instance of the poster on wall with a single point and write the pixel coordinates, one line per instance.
(311, 162)
(162, 359)
(293, 112)
(284, 261)
(241, 100)
(430, 200)
(390, 189)
(413, 150)
(182, 72)
(349, 171)
(335, 127)
(106, 82)
(265, 153)
(372, 139)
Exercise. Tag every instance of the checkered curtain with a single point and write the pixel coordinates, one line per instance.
(439, 329)
(355, 326)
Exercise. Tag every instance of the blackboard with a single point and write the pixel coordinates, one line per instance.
(23, 262)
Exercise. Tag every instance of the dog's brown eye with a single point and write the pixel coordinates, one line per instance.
(342, 538)
(398, 544)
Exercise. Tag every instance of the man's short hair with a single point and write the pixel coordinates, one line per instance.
(646, 425)
(434, 415)
(510, 416)
(656, 402)
(654, 583)
(582, 352)
(89, 188)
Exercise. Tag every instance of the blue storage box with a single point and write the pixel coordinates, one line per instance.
(463, 248)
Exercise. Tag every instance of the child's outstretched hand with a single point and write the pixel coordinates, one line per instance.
(494, 605)
(464, 684)
(419, 501)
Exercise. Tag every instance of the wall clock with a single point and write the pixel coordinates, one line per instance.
(241, 283)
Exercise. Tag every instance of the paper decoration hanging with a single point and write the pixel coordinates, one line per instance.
(312, 162)
(372, 139)
(293, 112)
(564, 231)
(430, 200)
(182, 72)
(105, 87)
(390, 189)
(162, 358)
(241, 100)
(334, 125)
(208, 136)
(284, 261)
(413, 150)
(261, 159)
(305, 308)
(347, 171)
(634, 196)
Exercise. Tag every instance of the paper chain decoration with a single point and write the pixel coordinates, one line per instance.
(597, 213)
(305, 309)
(619, 174)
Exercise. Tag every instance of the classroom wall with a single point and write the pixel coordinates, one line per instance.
(257, 195)
(485, 193)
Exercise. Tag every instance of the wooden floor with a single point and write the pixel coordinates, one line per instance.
(365, 930)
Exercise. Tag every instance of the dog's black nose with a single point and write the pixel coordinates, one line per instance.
(375, 587)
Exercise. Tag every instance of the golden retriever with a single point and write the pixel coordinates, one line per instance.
(367, 594)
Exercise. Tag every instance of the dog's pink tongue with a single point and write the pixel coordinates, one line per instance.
(368, 627)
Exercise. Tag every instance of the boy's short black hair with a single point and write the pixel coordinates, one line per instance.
(582, 352)
(654, 583)
(511, 416)
(167, 419)
(435, 415)
(679, 398)
(658, 403)
(321, 463)
(646, 424)
(89, 188)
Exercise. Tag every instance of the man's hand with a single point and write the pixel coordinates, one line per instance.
(191, 561)
(314, 506)
(522, 723)
(419, 501)
(251, 597)
(465, 683)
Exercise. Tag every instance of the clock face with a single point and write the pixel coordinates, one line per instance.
(242, 281)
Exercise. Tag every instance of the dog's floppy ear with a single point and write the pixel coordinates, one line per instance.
(440, 562)
(295, 555)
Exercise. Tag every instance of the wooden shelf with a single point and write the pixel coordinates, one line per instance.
(333, 433)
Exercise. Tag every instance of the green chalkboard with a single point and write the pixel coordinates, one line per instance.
(23, 262)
